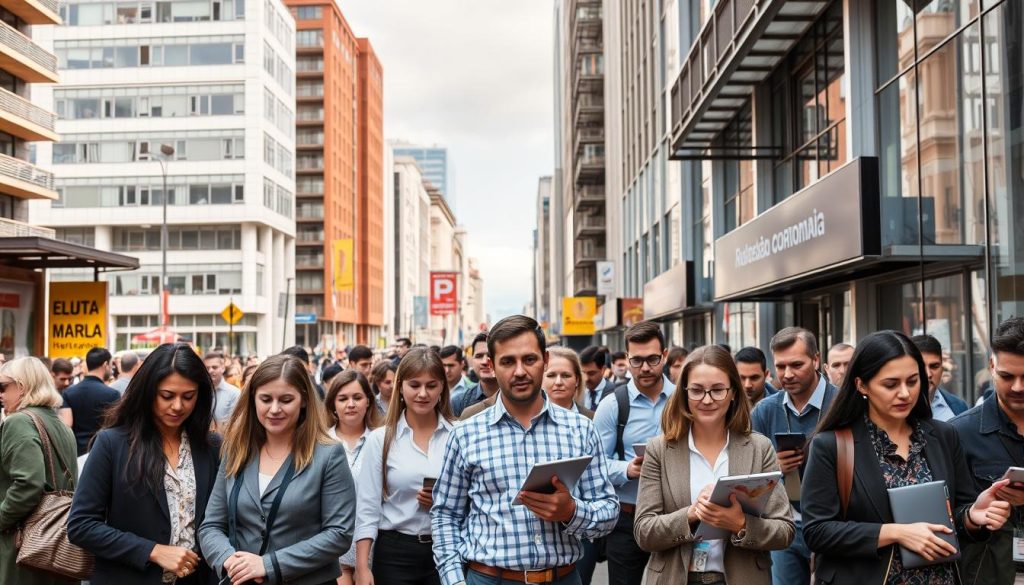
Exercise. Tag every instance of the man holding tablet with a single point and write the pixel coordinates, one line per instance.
(476, 522)
(991, 438)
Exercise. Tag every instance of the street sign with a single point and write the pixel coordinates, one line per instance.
(232, 314)
(444, 297)
(305, 318)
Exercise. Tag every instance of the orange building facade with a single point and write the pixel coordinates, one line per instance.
(339, 181)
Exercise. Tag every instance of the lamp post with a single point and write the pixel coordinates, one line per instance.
(167, 151)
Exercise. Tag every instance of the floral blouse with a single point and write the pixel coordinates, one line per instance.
(180, 486)
(899, 472)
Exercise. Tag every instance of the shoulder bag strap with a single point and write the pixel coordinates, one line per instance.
(44, 438)
(844, 467)
(272, 516)
(233, 509)
(622, 397)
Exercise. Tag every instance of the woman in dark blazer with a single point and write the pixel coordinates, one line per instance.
(144, 487)
(896, 443)
(283, 506)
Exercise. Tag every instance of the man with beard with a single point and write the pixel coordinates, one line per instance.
(631, 415)
(806, 394)
(479, 534)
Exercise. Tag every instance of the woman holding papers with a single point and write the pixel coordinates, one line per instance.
(707, 436)
(895, 443)
(394, 490)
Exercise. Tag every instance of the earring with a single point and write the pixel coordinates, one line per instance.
(864, 396)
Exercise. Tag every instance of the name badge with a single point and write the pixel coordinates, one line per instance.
(1018, 544)
(699, 560)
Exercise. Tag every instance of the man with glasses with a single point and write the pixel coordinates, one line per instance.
(806, 395)
(632, 417)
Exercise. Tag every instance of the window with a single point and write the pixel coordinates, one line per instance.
(309, 38)
(307, 13)
(178, 238)
(179, 51)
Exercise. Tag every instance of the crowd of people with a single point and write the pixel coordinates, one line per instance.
(408, 469)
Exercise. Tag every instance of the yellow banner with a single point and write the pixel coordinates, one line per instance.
(344, 273)
(77, 322)
(578, 315)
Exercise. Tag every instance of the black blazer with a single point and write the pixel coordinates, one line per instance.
(847, 550)
(119, 524)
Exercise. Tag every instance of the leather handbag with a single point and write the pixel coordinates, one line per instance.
(42, 540)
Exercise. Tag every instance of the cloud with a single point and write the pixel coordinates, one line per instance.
(475, 76)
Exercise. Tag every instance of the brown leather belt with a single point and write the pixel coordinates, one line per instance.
(538, 576)
(628, 508)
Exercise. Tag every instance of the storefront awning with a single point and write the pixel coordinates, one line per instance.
(34, 253)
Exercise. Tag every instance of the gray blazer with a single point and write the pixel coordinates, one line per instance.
(313, 527)
(664, 499)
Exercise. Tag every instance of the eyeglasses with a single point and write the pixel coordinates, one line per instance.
(639, 361)
(698, 394)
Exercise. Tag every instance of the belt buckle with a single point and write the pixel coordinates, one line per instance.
(548, 575)
(425, 538)
(709, 578)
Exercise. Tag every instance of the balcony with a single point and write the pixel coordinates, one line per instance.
(15, 229)
(584, 281)
(20, 117)
(309, 263)
(24, 59)
(589, 135)
(590, 225)
(27, 181)
(590, 197)
(35, 11)
(587, 20)
(589, 108)
(588, 251)
(589, 168)
(739, 46)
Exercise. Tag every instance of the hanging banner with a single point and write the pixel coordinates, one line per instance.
(342, 260)
(77, 318)
(605, 278)
(444, 299)
(16, 318)
(578, 315)
(420, 318)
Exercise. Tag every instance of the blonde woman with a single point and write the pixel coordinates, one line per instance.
(562, 380)
(27, 387)
(283, 505)
(395, 482)
(350, 403)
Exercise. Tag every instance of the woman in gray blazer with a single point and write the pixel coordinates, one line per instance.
(707, 436)
(283, 506)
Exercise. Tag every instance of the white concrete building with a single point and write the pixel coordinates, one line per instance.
(214, 79)
(407, 246)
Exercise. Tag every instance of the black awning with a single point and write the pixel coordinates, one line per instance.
(34, 253)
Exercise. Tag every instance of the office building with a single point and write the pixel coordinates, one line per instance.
(541, 300)
(434, 164)
(407, 236)
(339, 180)
(197, 96)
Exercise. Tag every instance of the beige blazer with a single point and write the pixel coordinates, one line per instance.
(664, 499)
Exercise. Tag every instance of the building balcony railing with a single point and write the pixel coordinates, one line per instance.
(35, 11)
(16, 229)
(589, 197)
(22, 118)
(589, 167)
(25, 180)
(587, 251)
(738, 47)
(590, 225)
(24, 59)
(584, 281)
(309, 264)
(589, 135)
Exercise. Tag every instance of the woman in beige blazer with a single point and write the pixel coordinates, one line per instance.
(707, 436)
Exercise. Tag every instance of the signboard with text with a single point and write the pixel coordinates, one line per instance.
(605, 278)
(77, 320)
(578, 315)
(444, 298)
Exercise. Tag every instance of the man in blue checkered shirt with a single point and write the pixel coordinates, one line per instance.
(476, 524)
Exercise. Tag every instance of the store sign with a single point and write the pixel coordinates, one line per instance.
(444, 298)
(605, 278)
(668, 293)
(632, 311)
(305, 318)
(833, 221)
(17, 318)
(77, 318)
(578, 315)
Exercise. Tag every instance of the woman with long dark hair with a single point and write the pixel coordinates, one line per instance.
(350, 403)
(884, 403)
(394, 498)
(145, 486)
(283, 505)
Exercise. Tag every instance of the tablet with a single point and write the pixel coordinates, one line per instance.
(752, 493)
(924, 502)
(639, 449)
(569, 471)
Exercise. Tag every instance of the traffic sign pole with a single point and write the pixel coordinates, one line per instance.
(231, 327)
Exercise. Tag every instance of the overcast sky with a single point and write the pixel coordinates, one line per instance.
(475, 76)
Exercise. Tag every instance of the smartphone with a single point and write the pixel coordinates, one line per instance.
(428, 483)
(639, 449)
(1016, 477)
(790, 441)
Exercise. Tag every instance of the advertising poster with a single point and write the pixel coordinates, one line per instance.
(77, 318)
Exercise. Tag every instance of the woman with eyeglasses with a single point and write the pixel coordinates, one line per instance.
(27, 387)
(283, 505)
(396, 480)
(896, 443)
(145, 486)
(707, 436)
(350, 403)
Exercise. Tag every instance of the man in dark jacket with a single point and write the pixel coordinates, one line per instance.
(86, 403)
(991, 437)
(945, 405)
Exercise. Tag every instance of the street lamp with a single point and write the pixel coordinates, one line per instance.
(167, 151)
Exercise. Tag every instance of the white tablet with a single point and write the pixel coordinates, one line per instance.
(569, 472)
